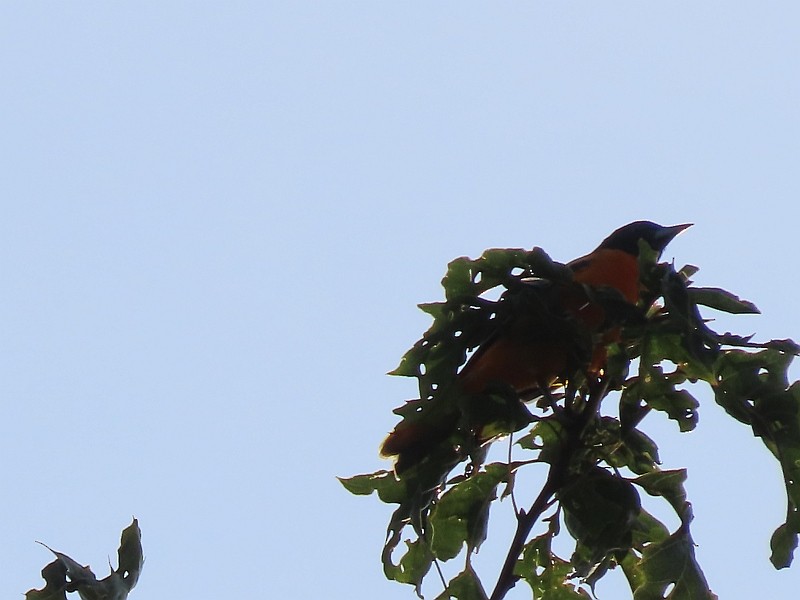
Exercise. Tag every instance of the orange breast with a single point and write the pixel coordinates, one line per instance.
(611, 268)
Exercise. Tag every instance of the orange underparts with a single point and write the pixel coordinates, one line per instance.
(527, 355)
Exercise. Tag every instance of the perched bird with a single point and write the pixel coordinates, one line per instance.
(529, 353)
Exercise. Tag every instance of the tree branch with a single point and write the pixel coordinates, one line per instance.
(525, 523)
(559, 470)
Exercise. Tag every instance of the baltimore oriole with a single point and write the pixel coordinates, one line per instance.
(526, 357)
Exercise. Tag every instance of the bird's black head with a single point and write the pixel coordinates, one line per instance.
(627, 237)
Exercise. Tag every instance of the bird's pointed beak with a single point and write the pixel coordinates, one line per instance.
(667, 234)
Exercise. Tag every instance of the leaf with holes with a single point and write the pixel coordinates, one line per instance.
(67, 575)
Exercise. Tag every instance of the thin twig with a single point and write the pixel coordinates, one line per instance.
(441, 575)
(511, 493)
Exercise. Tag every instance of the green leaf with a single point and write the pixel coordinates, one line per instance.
(669, 346)
(783, 543)
(679, 405)
(546, 436)
(788, 346)
(498, 410)
(668, 563)
(643, 451)
(390, 489)
(599, 511)
(669, 485)
(632, 449)
(647, 529)
(721, 300)
(413, 565)
(657, 390)
(744, 377)
(688, 271)
(549, 576)
(464, 586)
(460, 516)
(753, 388)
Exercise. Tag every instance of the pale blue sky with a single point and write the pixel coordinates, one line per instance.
(218, 219)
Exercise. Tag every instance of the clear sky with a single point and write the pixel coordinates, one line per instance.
(218, 219)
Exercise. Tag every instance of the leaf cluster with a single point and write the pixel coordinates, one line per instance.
(65, 574)
(597, 465)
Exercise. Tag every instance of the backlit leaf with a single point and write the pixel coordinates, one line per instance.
(722, 300)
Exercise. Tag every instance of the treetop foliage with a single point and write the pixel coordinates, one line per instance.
(597, 465)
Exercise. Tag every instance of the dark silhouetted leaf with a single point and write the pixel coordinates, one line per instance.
(722, 300)
(67, 575)
(130, 557)
(55, 576)
(599, 511)
(784, 542)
